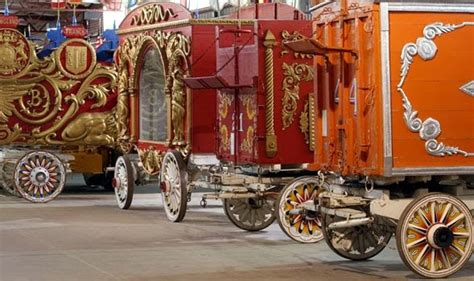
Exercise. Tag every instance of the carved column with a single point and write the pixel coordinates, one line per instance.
(271, 147)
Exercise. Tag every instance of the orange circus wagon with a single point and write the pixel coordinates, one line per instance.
(216, 103)
(394, 131)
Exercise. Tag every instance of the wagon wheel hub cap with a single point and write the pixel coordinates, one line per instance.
(440, 236)
(39, 176)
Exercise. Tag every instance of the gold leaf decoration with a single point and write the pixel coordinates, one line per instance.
(293, 75)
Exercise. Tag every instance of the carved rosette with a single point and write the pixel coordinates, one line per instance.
(294, 74)
(429, 129)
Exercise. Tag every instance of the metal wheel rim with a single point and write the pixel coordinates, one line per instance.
(245, 215)
(426, 213)
(172, 175)
(299, 227)
(121, 171)
(356, 243)
(39, 176)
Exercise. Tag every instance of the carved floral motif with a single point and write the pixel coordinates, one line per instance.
(426, 49)
(294, 74)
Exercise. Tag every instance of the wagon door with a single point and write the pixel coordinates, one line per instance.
(237, 105)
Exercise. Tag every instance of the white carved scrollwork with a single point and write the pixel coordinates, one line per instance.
(430, 128)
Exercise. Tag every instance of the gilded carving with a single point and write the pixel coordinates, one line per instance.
(8, 135)
(271, 146)
(247, 144)
(15, 53)
(224, 102)
(429, 129)
(224, 138)
(151, 160)
(174, 48)
(121, 109)
(76, 53)
(97, 128)
(293, 75)
(307, 122)
(291, 37)
(37, 98)
(87, 90)
(250, 106)
(175, 88)
(152, 14)
(9, 94)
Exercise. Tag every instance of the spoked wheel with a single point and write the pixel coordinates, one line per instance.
(356, 242)
(299, 224)
(39, 176)
(251, 214)
(434, 235)
(174, 186)
(123, 182)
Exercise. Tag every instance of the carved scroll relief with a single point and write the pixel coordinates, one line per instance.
(430, 128)
(294, 74)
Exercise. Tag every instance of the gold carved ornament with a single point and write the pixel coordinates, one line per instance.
(97, 128)
(174, 48)
(251, 110)
(225, 100)
(247, 144)
(291, 37)
(42, 106)
(271, 146)
(307, 122)
(151, 160)
(293, 75)
(151, 14)
(177, 49)
(75, 66)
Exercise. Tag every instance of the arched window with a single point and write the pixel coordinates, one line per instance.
(153, 106)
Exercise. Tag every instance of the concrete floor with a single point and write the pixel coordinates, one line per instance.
(82, 235)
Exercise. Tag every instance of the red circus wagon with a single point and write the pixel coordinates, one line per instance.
(217, 103)
(394, 131)
(57, 113)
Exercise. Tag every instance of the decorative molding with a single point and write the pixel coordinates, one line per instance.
(426, 49)
(151, 14)
(184, 22)
(293, 75)
(271, 145)
(468, 88)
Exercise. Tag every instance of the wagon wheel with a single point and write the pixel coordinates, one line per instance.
(434, 235)
(357, 242)
(123, 182)
(173, 186)
(39, 176)
(299, 224)
(251, 214)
